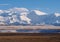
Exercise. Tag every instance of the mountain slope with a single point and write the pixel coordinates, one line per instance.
(23, 16)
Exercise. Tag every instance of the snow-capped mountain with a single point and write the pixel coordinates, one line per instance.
(37, 17)
(15, 15)
(24, 16)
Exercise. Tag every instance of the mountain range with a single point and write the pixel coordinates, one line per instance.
(24, 16)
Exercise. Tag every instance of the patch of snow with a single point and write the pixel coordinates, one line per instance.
(40, 12)
(57, 14)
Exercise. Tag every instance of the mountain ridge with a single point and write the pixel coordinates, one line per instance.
(24, 16)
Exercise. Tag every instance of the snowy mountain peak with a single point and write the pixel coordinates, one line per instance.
(39, 12)
(1, 11)
(18, 10)
(25, 16)
(57, 21)
(57, 14)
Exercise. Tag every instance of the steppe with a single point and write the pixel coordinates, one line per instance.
(29, 37)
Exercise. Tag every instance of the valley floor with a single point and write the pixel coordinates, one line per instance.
(29, 37)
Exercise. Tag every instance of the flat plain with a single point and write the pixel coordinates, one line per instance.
(29, 37)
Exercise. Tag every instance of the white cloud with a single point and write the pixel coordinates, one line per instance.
(40, 12)
(57, 14)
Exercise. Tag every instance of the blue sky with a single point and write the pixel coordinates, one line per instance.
(49, 6)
